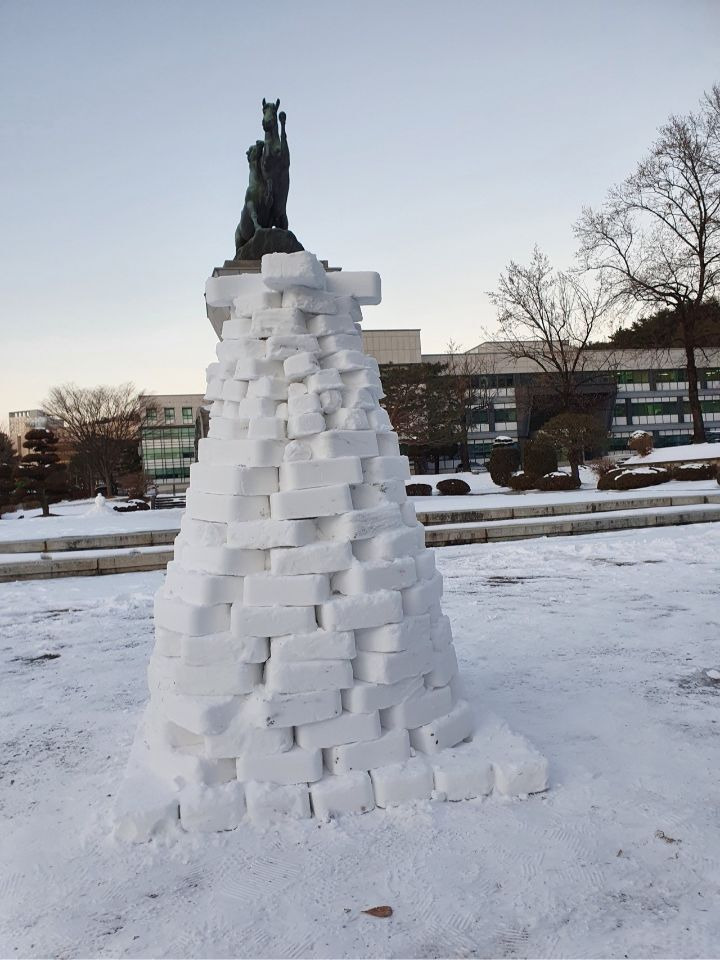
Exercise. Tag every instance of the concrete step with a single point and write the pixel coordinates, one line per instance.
(82, 565)
(567, 526)
(100, 541)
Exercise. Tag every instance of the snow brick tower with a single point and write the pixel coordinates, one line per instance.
(302, 662)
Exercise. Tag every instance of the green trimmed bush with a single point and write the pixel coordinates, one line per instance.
(607, 480)
(504, 460)
(558, 480)
(539, 458)
(694, 471)
(453, 487)
(418, 490)
(520, 480)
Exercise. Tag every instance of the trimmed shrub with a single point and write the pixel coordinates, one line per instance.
(607, 480)
(520, 480)
(694, 471)
(504, 460)
(418, 490)
(539, 458)
(634, 479)
(558, 481)
(132, 506)
(641, 442)
(453, 487)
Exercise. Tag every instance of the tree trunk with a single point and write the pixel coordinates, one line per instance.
(574, 462)
(693, 394)
(42, 497)
(437, 463)
(464, 457)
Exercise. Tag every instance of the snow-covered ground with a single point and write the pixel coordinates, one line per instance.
(82, 518)
(593, 647)
(689, 451)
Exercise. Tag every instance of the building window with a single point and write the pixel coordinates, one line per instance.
(187, 414)
(169, 414)
(151, 416)
(633, 379)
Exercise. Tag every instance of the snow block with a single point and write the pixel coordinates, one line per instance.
(199, 533)
(270, 801)
(359, 524)
(446, 731)
(389, 544)
(375, 575)
(324, 324)
(241, 739)
(324, 380)
(224, 561)
(284, 676)
(145, 804)
(281, 321)
(209, 809)
(351, 613)
(281, 271)
(293, 766)
(366, 697)
(202, 588)
(265, 534)
(243, 451)
(366, 495)
(330, 400)
(250, 367)
(362, 285)
(315, 502)
(402, 782)
(320, 645)
(294, 709)
(235, 327)
(232, 391)
(175, 614)
(223, 508)
(245, 304)
(349, 793)
(322, 557)
(391, 747)
(348, 418)
(235, 481)
(388, 444)
(303, 590)
(380, 469)
(445, 667)
(222, 648)
(346, 728)
(425, 565)
(462, 773)
(418, 598)
(300, 366)
(344, 443)
(305, 424)
(420, 709)
(284, 345)
(392, 667)
(310, 300)
(224, 678)
(271, 621)
(271, 388)
(267, 428)
(392, 637)
(302, 475)
(205, 716)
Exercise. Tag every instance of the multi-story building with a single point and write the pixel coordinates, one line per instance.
(630, 389)
(167, 439)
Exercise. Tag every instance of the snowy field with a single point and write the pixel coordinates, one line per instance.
(594, 647)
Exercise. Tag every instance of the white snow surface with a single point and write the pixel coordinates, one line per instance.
(82, 518)
(689, 451)
(596, 648)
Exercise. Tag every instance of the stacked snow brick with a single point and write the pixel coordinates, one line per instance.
(302, 660)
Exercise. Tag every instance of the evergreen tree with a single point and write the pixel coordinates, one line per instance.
(8, 463)
(40, 474)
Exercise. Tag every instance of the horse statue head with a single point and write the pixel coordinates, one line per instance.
(270, 114)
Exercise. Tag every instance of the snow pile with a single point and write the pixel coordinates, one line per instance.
(690, 451)
(301, 648)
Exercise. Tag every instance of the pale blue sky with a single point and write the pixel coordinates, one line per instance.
(430, 141)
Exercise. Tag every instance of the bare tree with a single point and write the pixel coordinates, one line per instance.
(550, 318)
(656, 239)
(102, 423)
(471, 387)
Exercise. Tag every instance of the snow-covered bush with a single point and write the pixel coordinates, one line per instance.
(641, 442)
(453, 487)
(558, 480)
(418, 489)
(694, 471)
(602, 465)
(636, 477)
(504, 459)
(607, 480)
(520, 480)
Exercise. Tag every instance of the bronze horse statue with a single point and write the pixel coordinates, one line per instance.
(268, 183)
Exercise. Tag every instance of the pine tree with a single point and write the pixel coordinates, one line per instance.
(8, 463)
(40, 474)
